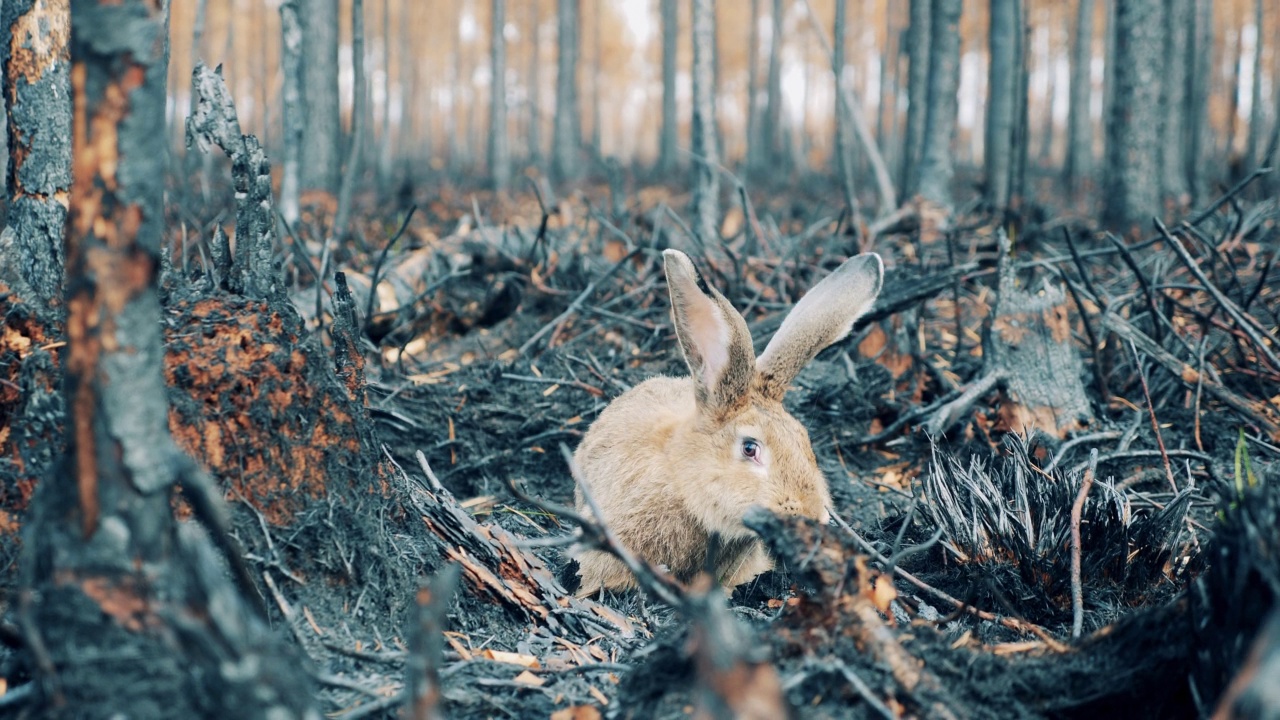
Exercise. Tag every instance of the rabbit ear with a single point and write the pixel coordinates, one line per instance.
(824, 315)
(713, 337)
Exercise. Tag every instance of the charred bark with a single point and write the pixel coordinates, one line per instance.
(359, 119)
(135, 610)
(37, 85)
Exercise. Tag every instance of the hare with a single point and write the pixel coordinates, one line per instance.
(675, 463)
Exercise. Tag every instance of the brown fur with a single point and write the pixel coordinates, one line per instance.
(664, 461)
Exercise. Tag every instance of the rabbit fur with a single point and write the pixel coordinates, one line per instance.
(675, 462)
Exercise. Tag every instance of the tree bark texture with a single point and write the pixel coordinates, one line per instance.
(670, 121)
(919, 31)
(1079, 123)
(1177, 24)
(135, 611)
(321, 164)
(499, 154)
(1021, 145)
(567, 139)
(706, 189)
(1132, 194)
(292, 110)
(936, 167)
(1002, 72)
(775, 135)
(37, 88)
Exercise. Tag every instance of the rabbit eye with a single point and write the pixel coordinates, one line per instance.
(750, 449)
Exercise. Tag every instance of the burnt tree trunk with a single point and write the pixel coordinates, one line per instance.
(135, 611)
(1177, 27)
(670, 122)
(321, 164)
(534, 137)
(918, 43)
(1079, 123)
(1253, 141)
(359, 117)
(291, 100)
(1132, 194)
(936, 165)
(1000, 100)
(774, 133)
(499, 154)
(755, 145)
(706, 189)
(37, 85)
(1199, 132)
(567, 136)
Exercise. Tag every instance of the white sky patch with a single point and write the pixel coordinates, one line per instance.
(639, 17)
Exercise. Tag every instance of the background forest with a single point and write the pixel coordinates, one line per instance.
(452, 95)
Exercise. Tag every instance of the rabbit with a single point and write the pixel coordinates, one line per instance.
(674, 463)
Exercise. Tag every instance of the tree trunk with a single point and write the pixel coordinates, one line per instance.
(359, 115)
(597, 69)
(755, 145)
(670, 121)
(1079, 122)
(1109, 70)
(567, 139)
(1199, 137)
(385, 156)
(197, 42)
(37, 81)
(1021, 148)
(1001, 84)
(706, 189)
(133, 604)
(499, 155)
(919, 30)
(844, 159)
(1177, 25)
(1254, 138)
(293, 114)
(936, 169)
(1132, 195)
(775, 135)
(320, 165)
(534, 138)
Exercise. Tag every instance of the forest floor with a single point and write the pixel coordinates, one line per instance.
(551, 315)
(962, 554)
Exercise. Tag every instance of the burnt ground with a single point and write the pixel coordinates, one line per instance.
(949, 592)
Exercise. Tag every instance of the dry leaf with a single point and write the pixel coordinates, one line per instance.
(528, 678)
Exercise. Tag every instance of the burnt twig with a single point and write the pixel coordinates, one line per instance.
(1077, 509)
